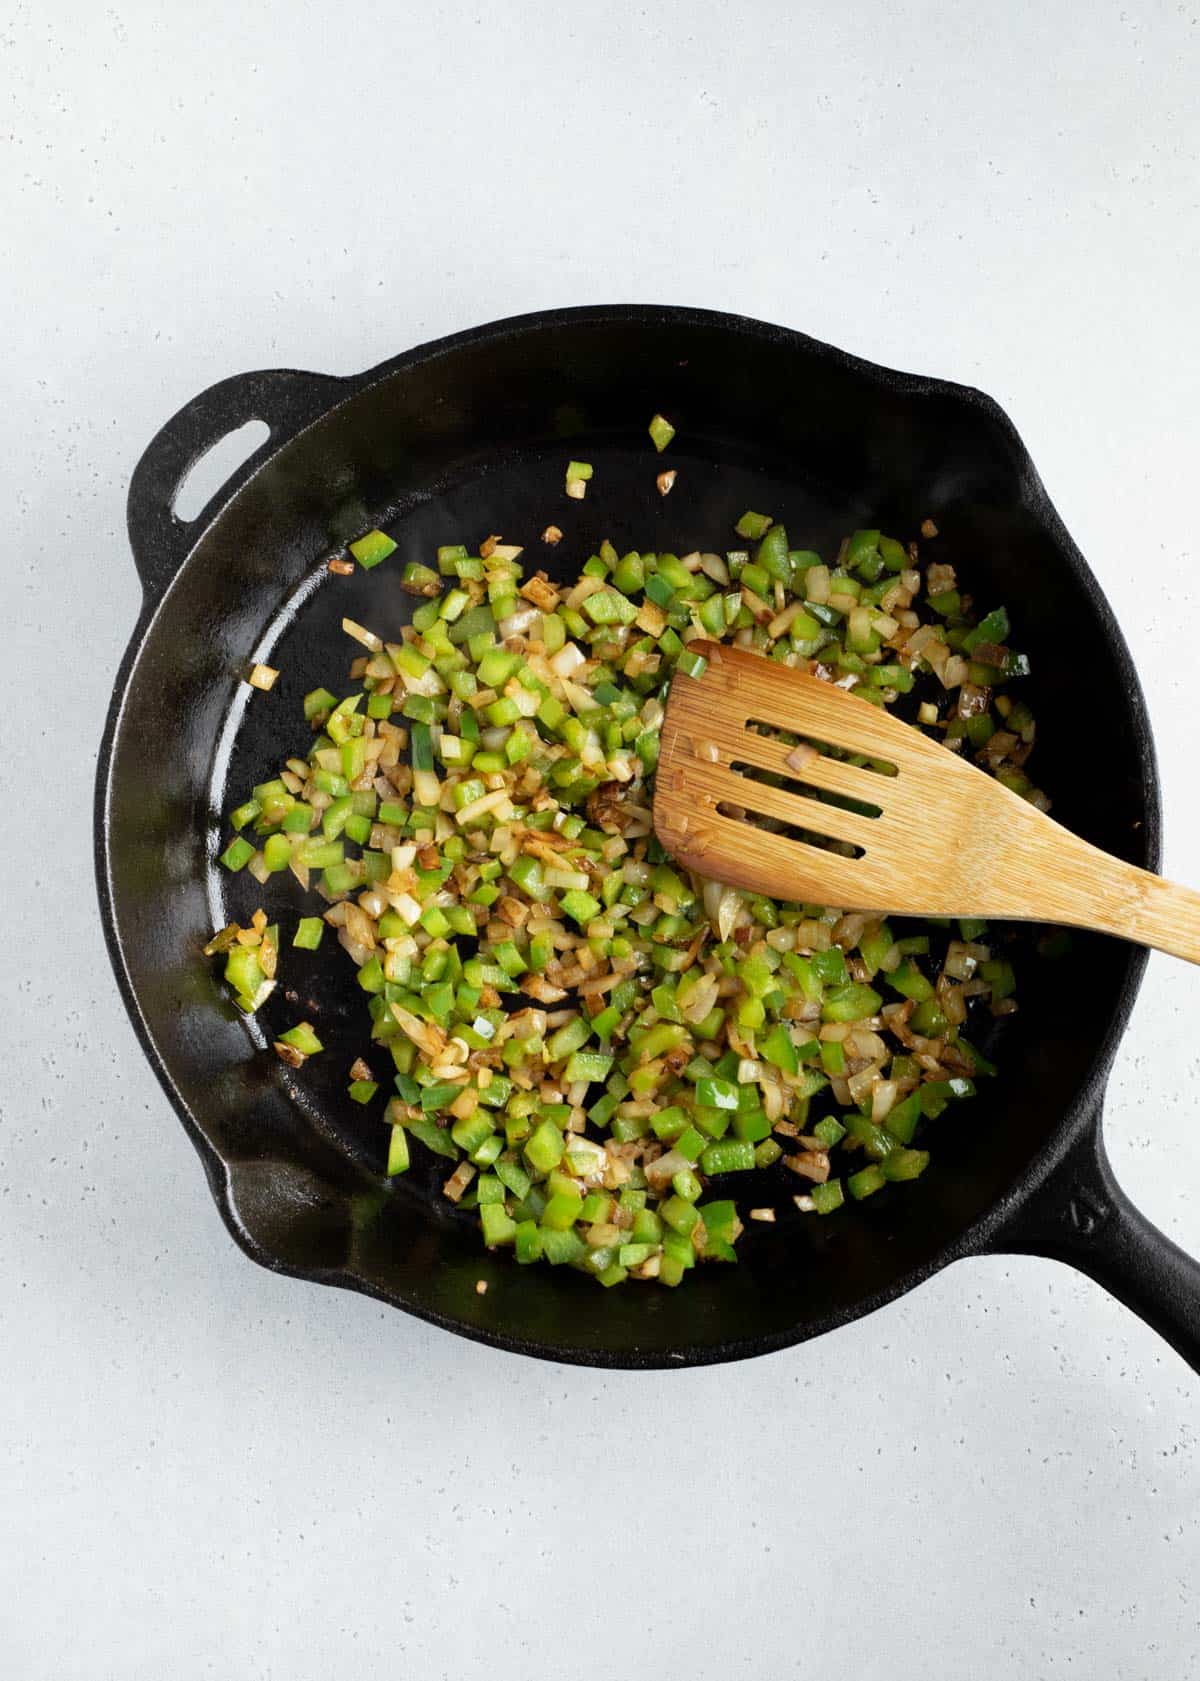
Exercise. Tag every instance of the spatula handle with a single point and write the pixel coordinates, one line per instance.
(1168, 917)
(1090, 889)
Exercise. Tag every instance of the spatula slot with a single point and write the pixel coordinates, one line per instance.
(815, 843)
(830, 750)
(805, 790)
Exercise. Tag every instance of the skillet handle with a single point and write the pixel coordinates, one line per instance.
(1079, 1214)
(286, 399)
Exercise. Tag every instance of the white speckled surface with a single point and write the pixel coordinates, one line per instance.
(208, 1471)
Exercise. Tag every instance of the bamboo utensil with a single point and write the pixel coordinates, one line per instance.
(933, 834)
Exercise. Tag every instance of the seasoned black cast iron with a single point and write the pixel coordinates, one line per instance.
(468, 436)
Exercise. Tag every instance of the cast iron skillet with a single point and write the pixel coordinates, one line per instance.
(468, 436)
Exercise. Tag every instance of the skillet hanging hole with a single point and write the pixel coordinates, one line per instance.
(216, 466)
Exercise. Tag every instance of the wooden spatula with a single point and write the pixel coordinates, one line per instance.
(938, 837)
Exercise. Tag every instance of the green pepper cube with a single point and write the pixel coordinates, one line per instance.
(237, 854)
(277, 853)
(830, 966)
(715, 1093)
(470, 1131)
(779, 1048)
(562, 1249)
(910, 982)
(867, 1181)
(686, 1185)
(249, 811)
(679, 1214)
(691, 1143)
(827, 1197)
(317, 703)
(544, 1148)
(397, 1161)
(562, 1211)
(728, 1155)
(513, 1178)
(720, 1220)
(528, 1242)
(310, 931)
(905, 1164)
(661, 432)
(245, 975)
(581, 907)
(587, 1065)
(833, 1056)
(302, 1038)
(753, 525)
(370, 549)
(751, 1124)
(498, 1227)
(852, 1002)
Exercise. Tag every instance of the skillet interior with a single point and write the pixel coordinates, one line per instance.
(471, 437)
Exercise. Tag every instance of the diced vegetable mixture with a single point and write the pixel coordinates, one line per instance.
(598, 1044)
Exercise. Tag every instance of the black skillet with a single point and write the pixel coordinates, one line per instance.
(468, 436)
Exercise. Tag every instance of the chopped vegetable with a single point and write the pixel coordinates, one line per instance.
(302, 1038)
(237, 854)
(262, 677)
(588, 1034)
(578, 474)
(368, 551)
(661, 432)
(398, 1158)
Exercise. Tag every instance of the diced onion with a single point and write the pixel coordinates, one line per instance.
(526, 946)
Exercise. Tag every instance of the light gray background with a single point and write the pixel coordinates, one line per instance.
(209, 1471)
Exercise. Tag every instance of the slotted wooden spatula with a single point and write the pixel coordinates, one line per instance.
(938, 837)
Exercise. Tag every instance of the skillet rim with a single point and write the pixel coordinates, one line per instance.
(1083, 1114)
